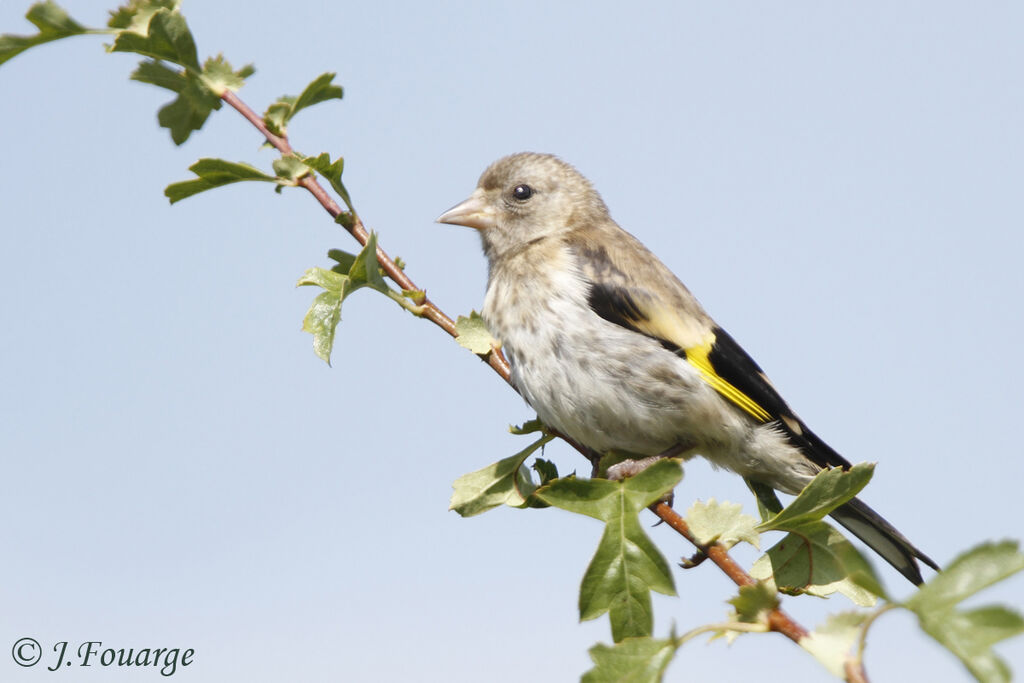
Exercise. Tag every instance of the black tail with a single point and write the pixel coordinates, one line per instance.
(882, 537)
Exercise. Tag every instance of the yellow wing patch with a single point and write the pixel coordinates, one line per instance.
(696, 340)
(698, 358)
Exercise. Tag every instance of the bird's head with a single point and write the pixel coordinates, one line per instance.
(524, 198)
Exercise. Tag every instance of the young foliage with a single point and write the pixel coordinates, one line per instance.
(723, 522)
(331, 171)
(818, 560)
(632, 660)
(53, 23)
(506, 482)
(325, 313)
(627, 566)
(166, 37)
(279, 113)
(813, 557)
(754, 602)
(214, 173)
(970, 634)
(157, 30)
(832, 642)
(827, 491)
(474, 335)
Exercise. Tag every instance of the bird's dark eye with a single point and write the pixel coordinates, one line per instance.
(522, 192)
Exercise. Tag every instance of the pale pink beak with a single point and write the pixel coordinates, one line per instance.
(475, 212)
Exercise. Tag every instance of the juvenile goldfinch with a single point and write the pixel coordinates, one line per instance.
(613, 351)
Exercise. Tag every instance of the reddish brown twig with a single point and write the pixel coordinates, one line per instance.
(777, 619)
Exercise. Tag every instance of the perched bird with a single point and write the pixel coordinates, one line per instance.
(613, 351)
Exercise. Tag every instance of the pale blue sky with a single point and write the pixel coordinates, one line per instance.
(839, 184)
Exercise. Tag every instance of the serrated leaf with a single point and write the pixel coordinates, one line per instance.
(280, 113)
(53, 23)
(344, 259)
(827, 491)
(971, 634)
(290, 169)
(768, 503)
(832, 642)
(167, 37)
(754, 601)
(818, 560)
(321, 321)
(187, 112)
(330, 280)
(194, 104)
(320, 89)
(365, 270)
(634, 660)
(276, 115)
(528, 427)
(627, 566)
(331, 170)
(135, 15)
(546, 470)
(159, 74)
(324, 315)
(722, 522)
(969, 573)
(506, 482)
(219, 77)
(214, 173)
(473, 334)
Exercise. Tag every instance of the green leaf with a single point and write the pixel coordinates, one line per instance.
(365, 270)
(768, 503)
(198, 93)
(754, 601)
(474, 335)
(159, 74)
(219, 77)
(319, 90)
(818, 560)
(53, 24)
(634, 660)
(322, 320)
(722, 522)
(832, 642)
(323, 165)
(971, 634)
(344, 259)
(167, 37)
(627, 566)
(546, 469)
(290, 169)
(969, 573)
(188, 112)
(135, 15)
(506, 482)
(279, 113)
(324, 315)
(214, 173)
(827, 491)
(528, 427)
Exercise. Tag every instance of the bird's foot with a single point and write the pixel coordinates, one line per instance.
(631, 468)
